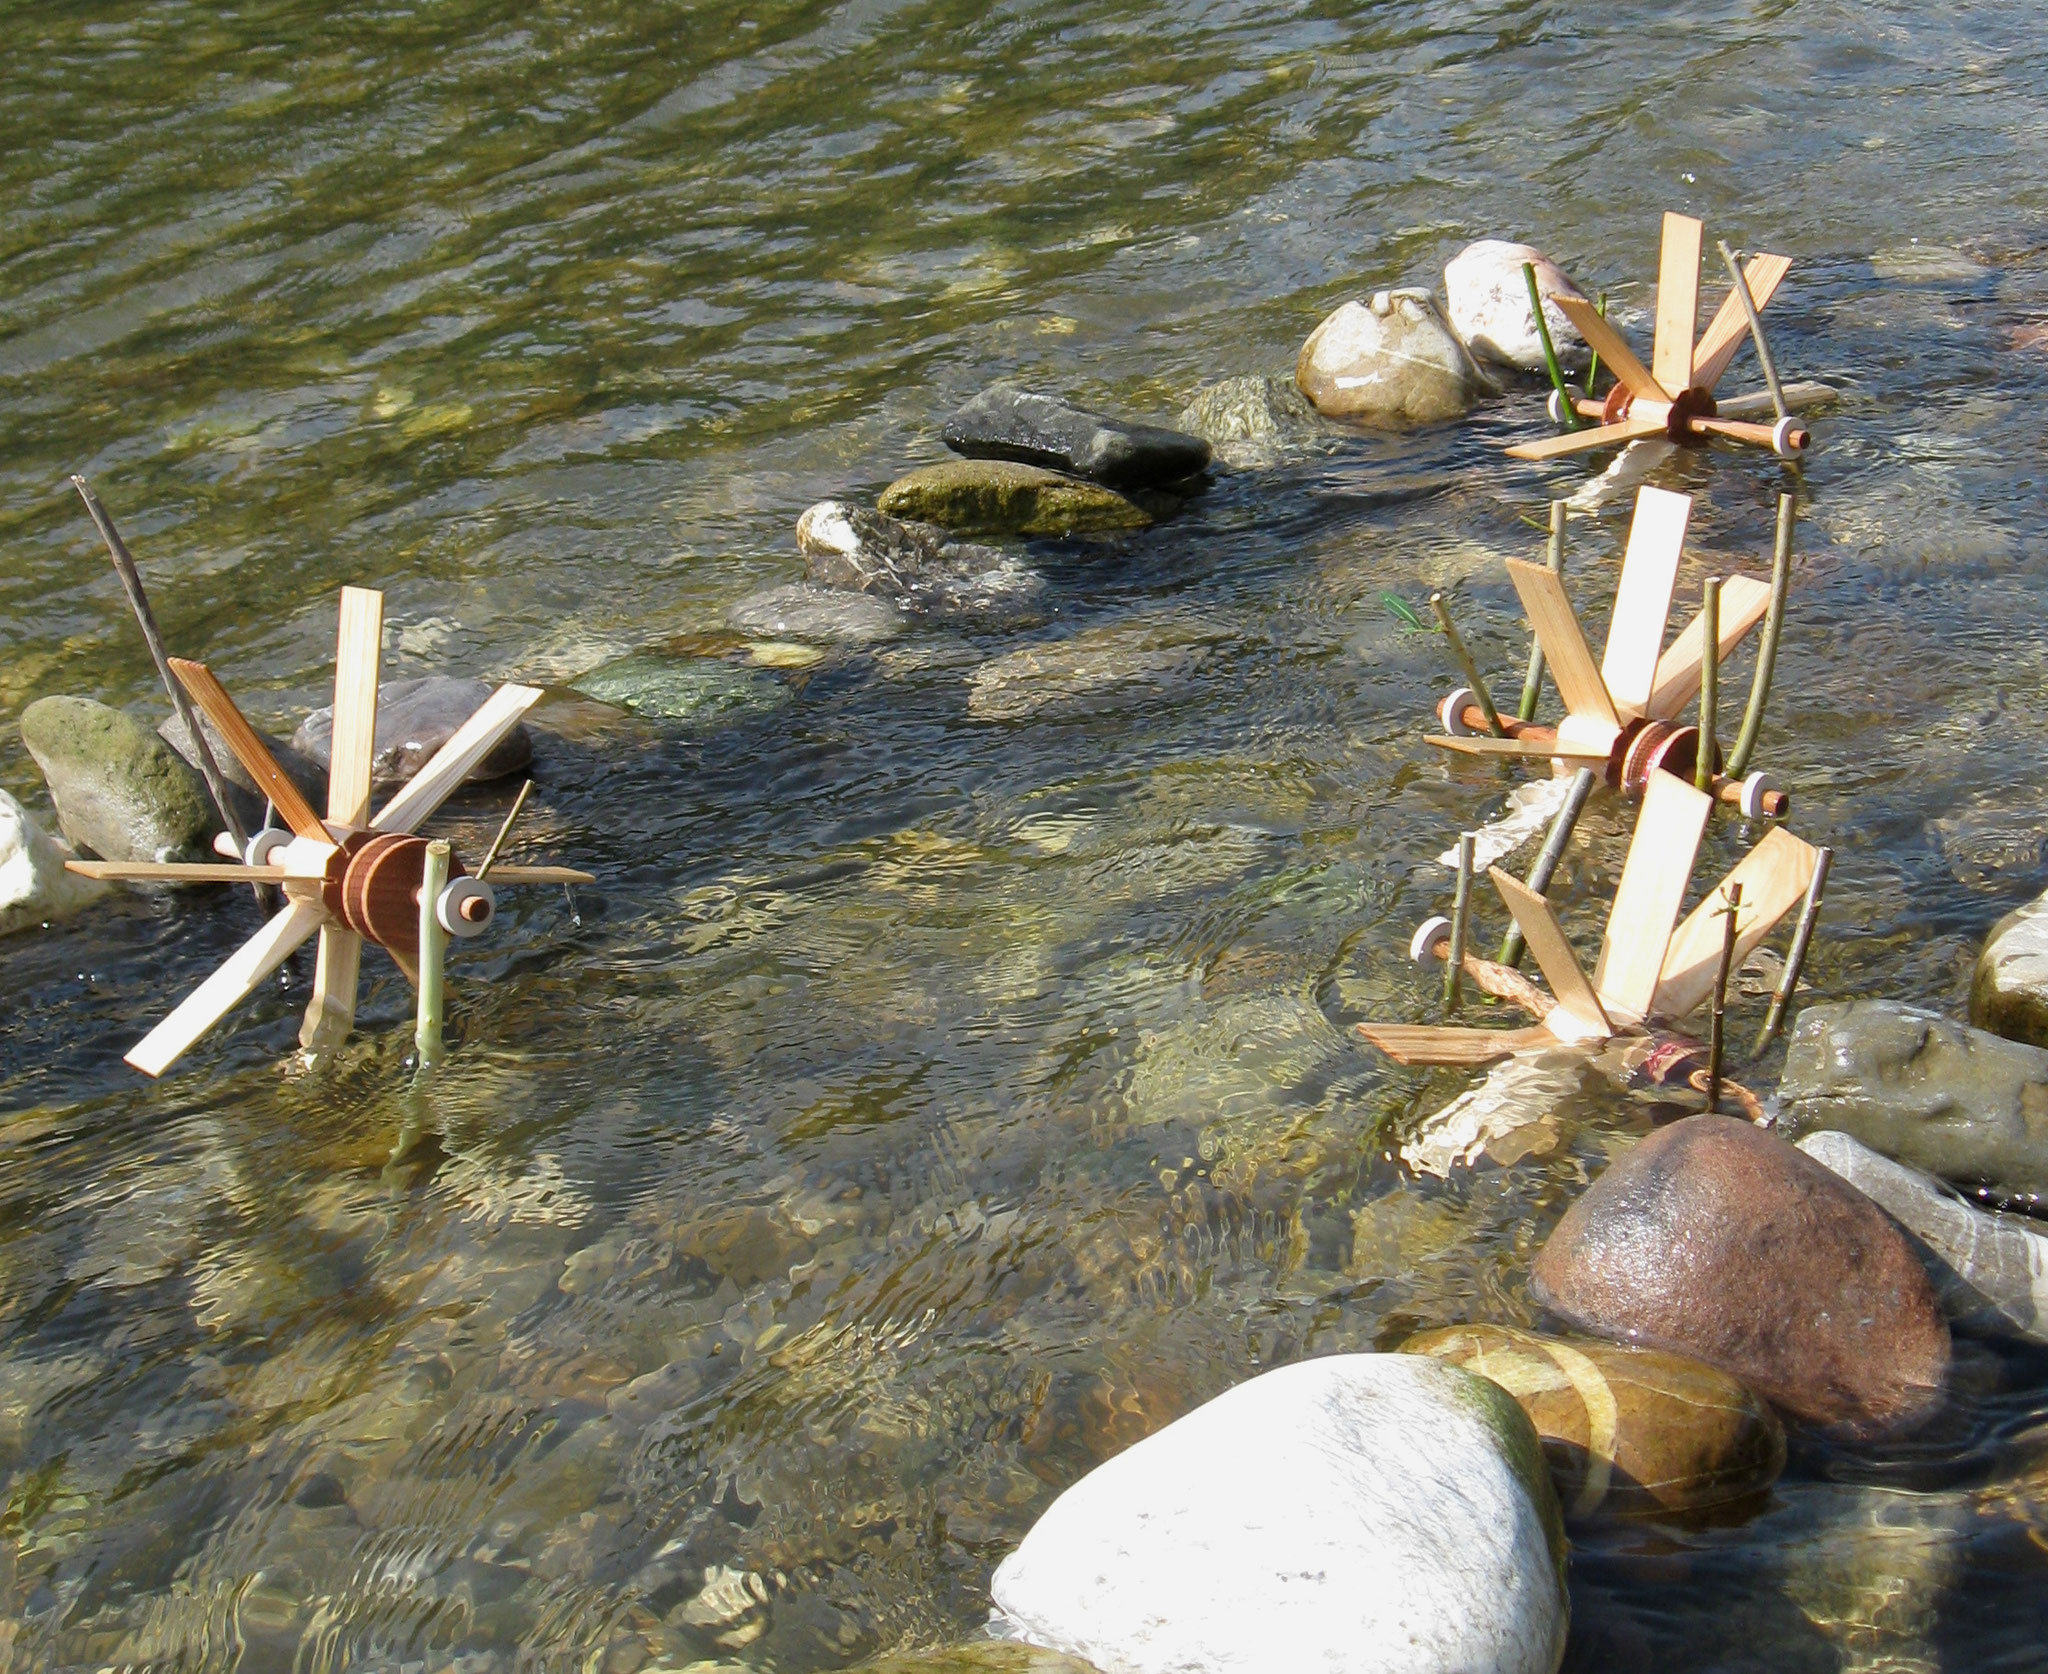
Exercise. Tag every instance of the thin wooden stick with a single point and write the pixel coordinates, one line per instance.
(504, 831)
(181, 703)
(1547, 858)
(1550, 365)
(1532, 682)
(1718, 1027)
(1756, 326)
(426, 1036)
(1593, 365)
(1470, 669)
(1710, 681)
(1795, 960)
(1767, 646)
(1461, 918)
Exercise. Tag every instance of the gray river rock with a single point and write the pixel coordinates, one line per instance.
(1391, 360)
(1256, 422)
(2009, 988)
(1006, 422)
(414, 719)
(34, 887)
(917, 566)
(1922, 1089)
(121, 792)
(808, 611)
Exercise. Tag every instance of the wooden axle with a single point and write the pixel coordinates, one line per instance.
(1692, 414)
(1639, 749)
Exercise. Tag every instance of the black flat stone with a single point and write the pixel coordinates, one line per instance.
(1005, 422)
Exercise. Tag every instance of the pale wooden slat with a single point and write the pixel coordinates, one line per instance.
(1642, 601)
(1583, 441)
(1613, 348)
(1652, 889)
(249, 748)
(1774, 876)
(1678, 301)
(353, 746)
(1443, 1044)
(1729, 328)
(540, 875)
(1798, 397)
(170, 871)
(220, 993)
(1744, 599)
(1564, 645)
(1476, 745)
(451, 764)
(1582, 1015)
(332, 1011)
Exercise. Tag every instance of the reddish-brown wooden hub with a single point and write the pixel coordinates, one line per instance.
(378, 892)
(1646, 746)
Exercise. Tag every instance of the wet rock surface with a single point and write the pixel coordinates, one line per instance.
(678, 686)
(1007, 422)
(34, 887)
(1991, 1269)
(1714, 1239)
(1382, 1501)
(414, 719)
(1253, 423)
(2009, 988)
(1001, 497)
(1487, 304)
(805, 610)
(1096, 670)
(917, 566)
(1966, 1105)
(1626, 1431)
(1391, 360)
(309, 775)
(120, 791)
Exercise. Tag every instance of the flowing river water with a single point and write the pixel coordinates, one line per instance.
(937, 1092)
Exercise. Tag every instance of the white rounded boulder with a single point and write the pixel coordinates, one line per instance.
(34, 887)
(1361, 1511)
(1488, 304)
(1390, 360)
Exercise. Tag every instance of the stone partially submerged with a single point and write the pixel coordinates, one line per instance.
(1002, 497)
(1389, 361)
(414, 719)
(120, 791)
(1487, 302)
(1007, 422)
(1365, 1510)
(34, 887)
(916, 566)
(2009, 988)
(1254, 423)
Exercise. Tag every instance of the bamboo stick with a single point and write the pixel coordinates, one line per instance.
(1767, 644)
(1461, 918)
(1756, 326)
(1550, 365)
(504, 831)
(1710, 680)
(1547, 858)
(1532, 682)
(1467, 666)
(433, 958)
(1795, 960)
(1717, 1029)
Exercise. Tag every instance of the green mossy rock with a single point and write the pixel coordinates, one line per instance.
(999, 497)
(121, 792)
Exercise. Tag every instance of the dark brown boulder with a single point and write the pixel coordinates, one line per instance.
(1715, 1239)
(1626, 1431)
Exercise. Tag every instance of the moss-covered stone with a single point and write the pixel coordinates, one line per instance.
(121, 792)
(999, 497)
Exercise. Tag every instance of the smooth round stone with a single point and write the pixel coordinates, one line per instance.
(34, 887)
(1487, 302)
(1006, 422)
(1627, 1431)
(1714, 1239)
(1001, 497)
(414, 719)
(1960, 1103)
(121, 792)
(1391, 361)
(1364, 1510)
(2009, 988)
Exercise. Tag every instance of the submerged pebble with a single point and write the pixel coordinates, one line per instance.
(683, 688)
(805, 610)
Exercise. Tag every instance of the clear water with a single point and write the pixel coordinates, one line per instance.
(925, 1105)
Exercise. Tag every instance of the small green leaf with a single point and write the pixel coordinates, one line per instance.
(1401, 608)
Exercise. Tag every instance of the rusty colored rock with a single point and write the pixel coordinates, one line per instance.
(1715, 1239)
(1626, 1431)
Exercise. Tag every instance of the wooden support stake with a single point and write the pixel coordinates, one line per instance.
(1550, 365)
(504, 831)
(181, 702)
(1512, 946)
(1593, 365)
(1467, 666)
(1795, 960)
(1461, 920)
(1532, 683)
(1720, 1018)
(1767, 646)
(1710, 681)
(1756, 326)
(433, 956)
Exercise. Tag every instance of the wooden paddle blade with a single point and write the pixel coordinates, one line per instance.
(170, 871)
(540, 875)
(1578, 1014)
(1584, 441)
(352, 748)
(451, 764)
(1432, 1044)
(1678, 301)
(1669, 826)
(1642, 602)
(1564, 644)
(249, 749)
(1774, 876)
(220, 993)
(1476, 745)
(1744, 599)
(1613, 348)
(332, 1012)
(1729, 328)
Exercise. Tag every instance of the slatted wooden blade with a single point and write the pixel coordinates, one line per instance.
(1744, 599)
(353, 746)
(1729, 328)
(1678, 301)
(1774, 876)
(1642, 602)
(1613, 348)
(540, 875)
(220, 993)
(1652, 889)
(1431, 1044)
(1578, 1014)
(1475, 745)
(1564, 644)
(1584, 441)
(249, 749)
(332, 1012)
(451, 764)
(170, 871)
